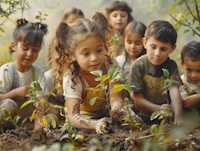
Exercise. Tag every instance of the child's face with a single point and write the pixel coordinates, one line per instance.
(118, 20)
(26, 55)
(90, 53)
(157, 51)
(192, 70)
(133, 45)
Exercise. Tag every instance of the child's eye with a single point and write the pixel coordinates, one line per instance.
(153, 47)
(198, 71)
(189, 70)
(36, 50)
(163, 49)
(100, 50)
(138, 43)
(129, 42)
(25, 49)
(85, 54)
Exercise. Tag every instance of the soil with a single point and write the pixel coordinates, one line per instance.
(23, 139)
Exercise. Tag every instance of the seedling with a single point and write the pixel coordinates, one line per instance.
(105, 83)
(117, 43)
(72, 134)
(35, 91)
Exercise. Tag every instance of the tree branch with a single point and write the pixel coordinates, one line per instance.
(197, 10)
(190, 10)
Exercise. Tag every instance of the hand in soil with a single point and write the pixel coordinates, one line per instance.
(117, 115)
(102, 126)
(40, 134)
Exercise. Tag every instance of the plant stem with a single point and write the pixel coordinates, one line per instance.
(190, 10)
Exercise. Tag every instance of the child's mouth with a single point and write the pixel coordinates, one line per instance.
(94, 66)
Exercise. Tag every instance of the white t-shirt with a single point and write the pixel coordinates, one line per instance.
(51, 83)
(81, 83)
(193, 88)
(126, 67)
(6, 77)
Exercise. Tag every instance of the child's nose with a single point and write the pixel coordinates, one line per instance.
(29, 53)
(194, 74)
(157, 52)
(93, 57)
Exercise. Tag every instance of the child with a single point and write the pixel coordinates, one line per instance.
(146, 72)
(118, 14)
(16, 76)
(70, 15)
(84, 45)
(133, 43)
(190, 61)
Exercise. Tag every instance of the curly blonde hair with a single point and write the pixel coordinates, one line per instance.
(68, 36)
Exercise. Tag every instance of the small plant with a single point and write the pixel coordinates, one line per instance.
(72, 134)
(40, 16)
(117, 43)
(15, 121)
(129, 117)
(105, 82)
(35, 91)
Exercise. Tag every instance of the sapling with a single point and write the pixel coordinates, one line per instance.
(40, 99)
(105, 83)
(117, 43)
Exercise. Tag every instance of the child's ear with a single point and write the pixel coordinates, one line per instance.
(173, 48)
(72, 55)
(144, 42)
(181, 63)
(13, 46)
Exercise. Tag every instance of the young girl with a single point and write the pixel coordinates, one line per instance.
(133, 36)
(16, 76)
(118, 14)
(83, 43)
(70, 15)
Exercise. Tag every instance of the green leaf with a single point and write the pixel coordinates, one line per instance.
(187, 30)
(37, 86)
(97, 73)
(34, 76)
(120, 87)
(174, 10)
(154, 129)
(154, 115)
(51, 93)
(166, 113)
(174, 81)
(177, 4)
(193, 21)
(113, 72)
(166, 72)
(198, 1)
(93, 100)
(2, 30)
(198, 28)
(64, 136)
(125, 124)
(97, 79)
(182, 22)
(24, 120)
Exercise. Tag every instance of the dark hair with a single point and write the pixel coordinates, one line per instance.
(28, 33)
(119, 5)
(71, 11)
(191, 51)
(162, 31)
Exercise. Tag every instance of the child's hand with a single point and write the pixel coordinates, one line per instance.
(117, 115)
(166, 107)
(22, 91)
(177, 121)
(102, 126)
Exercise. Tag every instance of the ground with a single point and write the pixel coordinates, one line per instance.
(23, 139)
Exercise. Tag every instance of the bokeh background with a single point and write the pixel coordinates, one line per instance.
(145, 11)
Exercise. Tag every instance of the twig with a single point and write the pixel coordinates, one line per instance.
(190, 10)
(197, 10)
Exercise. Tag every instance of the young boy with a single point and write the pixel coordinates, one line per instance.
(190, 61)
(146, 72)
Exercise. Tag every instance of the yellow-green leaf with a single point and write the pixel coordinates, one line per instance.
(57, 106)
(26, 103)
(187, 15)
(178, 16)
(181, 21)
(33, 116)
(44, 122)
(164, 15)
(120, 87)
(53, 122)
(79, 137)
(174, 10)
(112, 99)
(193, 13)
(187, 30)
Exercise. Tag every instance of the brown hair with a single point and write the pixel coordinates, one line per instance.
(28, 33)
(134, 27)
(162, 31)
(68, 36)
(119, 5)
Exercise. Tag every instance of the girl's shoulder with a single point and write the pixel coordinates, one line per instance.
(121, 59)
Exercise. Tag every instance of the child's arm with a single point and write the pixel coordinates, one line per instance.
(147, 106)
(21, 91)
(176, 103)
(73, 106)
(116, 104)
(190, 101)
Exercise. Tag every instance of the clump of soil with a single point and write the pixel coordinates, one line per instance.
(23, 139)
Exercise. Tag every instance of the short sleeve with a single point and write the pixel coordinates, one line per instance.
(136, 82)
(49, 75)
(174, 75)
(68, 92)
(182, 90)
(6, 77)
(42, 80)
